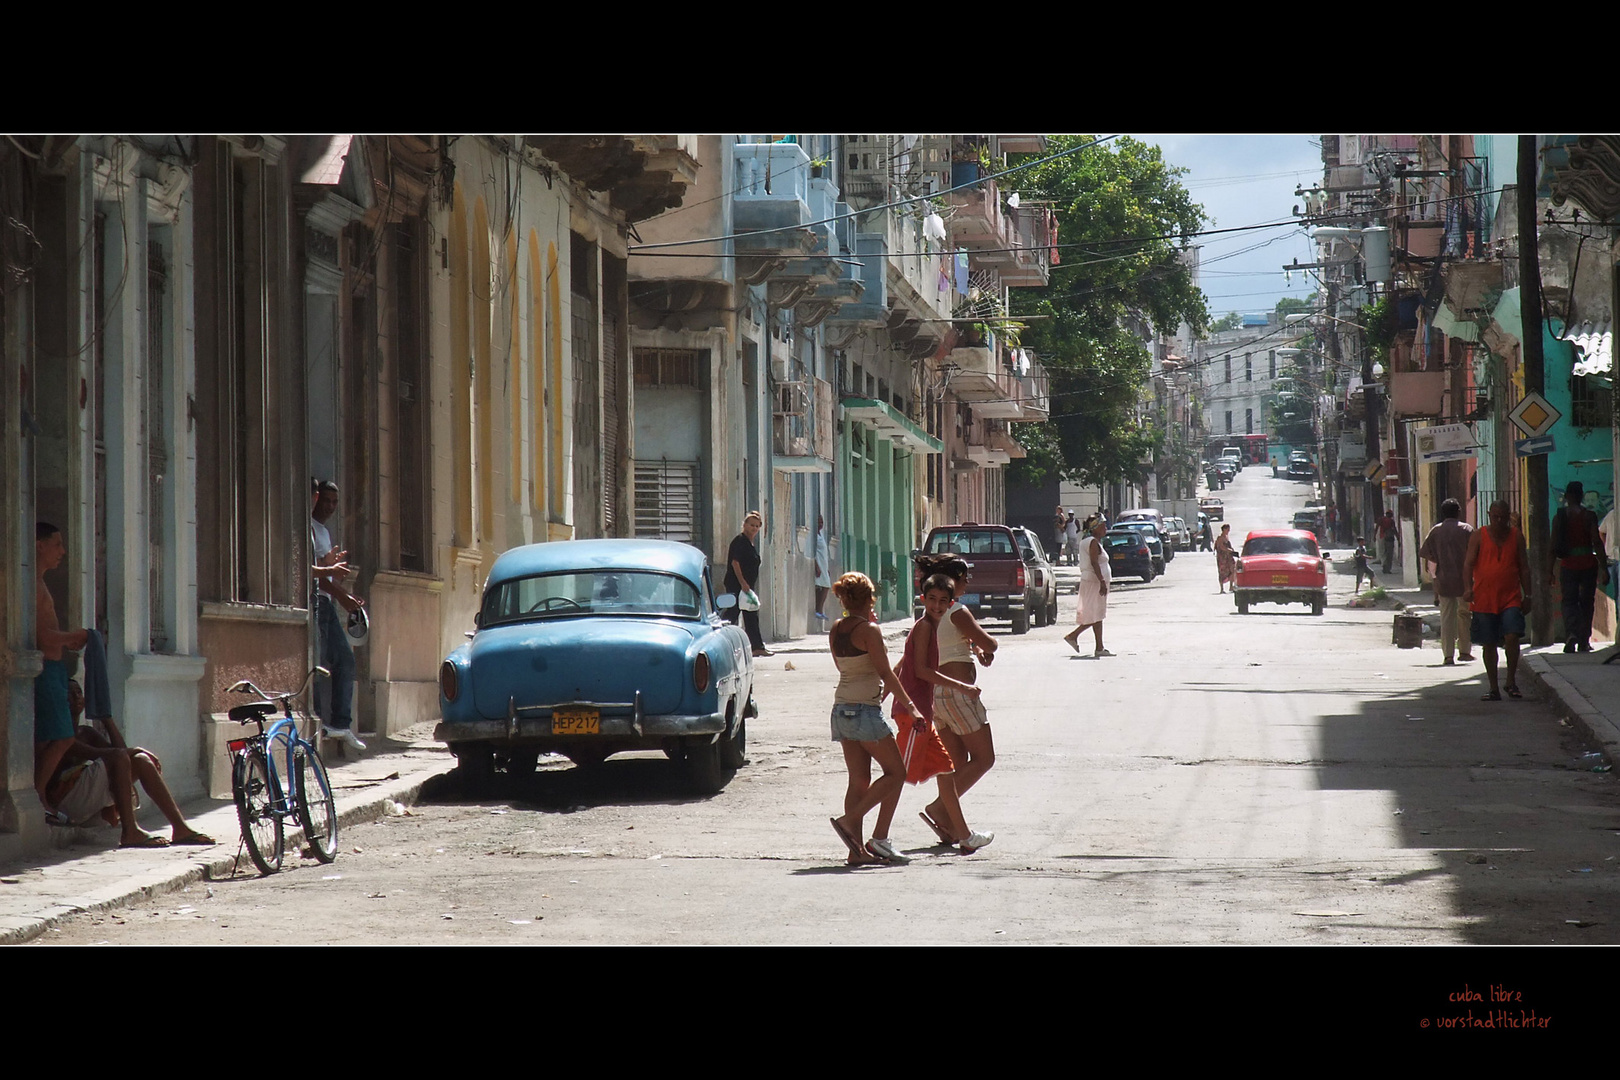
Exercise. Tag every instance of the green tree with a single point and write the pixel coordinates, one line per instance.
(1293, 305)
(1126, 222)
(1232, 320)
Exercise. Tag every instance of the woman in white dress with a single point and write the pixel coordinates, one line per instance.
(1095, 574)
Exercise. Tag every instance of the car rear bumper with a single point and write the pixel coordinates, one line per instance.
(1279, 594)
(619, 725)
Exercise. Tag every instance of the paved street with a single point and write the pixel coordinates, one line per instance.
(1270, 779)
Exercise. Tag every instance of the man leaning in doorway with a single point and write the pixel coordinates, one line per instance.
(336, 654)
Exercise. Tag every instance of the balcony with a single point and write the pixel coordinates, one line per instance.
(894, 425)
(1014, 388)
(1034, 227)
(802, 427)
(978, 221)
(871, 310)
(772, 199)
(643, 175)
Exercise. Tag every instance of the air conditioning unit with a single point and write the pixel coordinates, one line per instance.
(792, 399)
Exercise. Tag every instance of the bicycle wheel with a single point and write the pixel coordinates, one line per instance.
(317, 809)
(256, 811)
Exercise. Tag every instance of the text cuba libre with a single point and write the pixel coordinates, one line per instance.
(1498, 992)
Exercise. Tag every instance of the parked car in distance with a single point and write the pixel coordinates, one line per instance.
(1000, 586)
(1311, 521)
(1214, 508)
(1281, 566)
(1043, 580)
(1232, 455)
(1180, 533)
(1155, 542)
(1129, 554)
(1227, 471)
(591, 647)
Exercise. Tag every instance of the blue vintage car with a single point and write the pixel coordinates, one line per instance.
(591, 647)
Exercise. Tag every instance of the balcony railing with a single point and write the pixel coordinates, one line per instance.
(1034, 228)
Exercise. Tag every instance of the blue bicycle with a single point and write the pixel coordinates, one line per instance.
(277, 774)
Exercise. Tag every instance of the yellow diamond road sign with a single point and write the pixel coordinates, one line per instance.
(1534, 416)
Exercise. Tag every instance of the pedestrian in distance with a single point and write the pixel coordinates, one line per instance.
(859, 726)
(1095, 576)
(1363, 565)
(742, 578)
(823, 568)
(1579, 566)
(1059, 522)
(330, 571)
(960, 717)
(920, 743)
(1446, 547)
(1071, 540)
(1226, 559)
(1388, 533)
(1497, 569)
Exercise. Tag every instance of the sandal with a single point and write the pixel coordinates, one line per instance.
(850, 842)
(1512, 692)
(1492, 696)
(939, 831)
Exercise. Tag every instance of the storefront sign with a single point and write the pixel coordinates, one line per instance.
(1445, 442)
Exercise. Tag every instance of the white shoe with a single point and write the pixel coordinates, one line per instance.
(343, 735)
(975, 841)
(1102, 652)
(884, 849)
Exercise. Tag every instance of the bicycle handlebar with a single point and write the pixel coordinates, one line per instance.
(247, 686)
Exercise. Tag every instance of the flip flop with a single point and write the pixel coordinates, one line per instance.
(147, 841)
(1492, 696)
(944, 837)
(196, 839)
(1512, 692)
(850, 842)
(56, 817)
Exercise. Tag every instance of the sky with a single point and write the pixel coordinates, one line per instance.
(1247, 180)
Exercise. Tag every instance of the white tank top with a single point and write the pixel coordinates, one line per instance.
(953, 647)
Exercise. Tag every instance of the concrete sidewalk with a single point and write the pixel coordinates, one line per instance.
(89, 872)
(1579, 686)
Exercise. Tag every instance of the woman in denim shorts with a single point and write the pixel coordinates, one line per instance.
(859, 725)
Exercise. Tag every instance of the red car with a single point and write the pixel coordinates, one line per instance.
(1281, 566)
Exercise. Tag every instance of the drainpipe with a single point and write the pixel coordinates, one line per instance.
(1536, 523)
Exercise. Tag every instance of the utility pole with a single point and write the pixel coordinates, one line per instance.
(1536, 522)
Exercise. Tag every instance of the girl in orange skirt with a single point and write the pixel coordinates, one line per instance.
(924, 751)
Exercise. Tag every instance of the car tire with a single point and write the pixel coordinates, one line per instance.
(520, 762)
(1020, 622)
(734, 747)
(1051, 610)
(704, 770)
(1316, 606)
(1242, 604)
(1147, 578)
(475, 767)
(587, 757)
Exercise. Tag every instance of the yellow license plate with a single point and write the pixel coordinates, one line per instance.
(1279, 579)
(576, 722)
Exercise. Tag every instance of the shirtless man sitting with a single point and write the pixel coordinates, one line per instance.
(76, 779)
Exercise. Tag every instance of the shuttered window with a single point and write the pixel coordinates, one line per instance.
(668, 500)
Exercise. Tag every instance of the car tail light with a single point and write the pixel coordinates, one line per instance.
(1019, 583)
(449, 681)
(700, 672)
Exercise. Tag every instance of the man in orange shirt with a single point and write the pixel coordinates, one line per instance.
(1496, 571)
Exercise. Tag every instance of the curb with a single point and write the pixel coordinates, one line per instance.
(1573, 705)
(146, 884)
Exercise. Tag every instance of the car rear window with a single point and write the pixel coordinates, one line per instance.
(1280, 545)
(589, 592)
(1126, 541)
(970, 542)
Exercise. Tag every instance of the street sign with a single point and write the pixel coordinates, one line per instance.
(1375, 472)
(1406, 491)
(1534, 415)
(1532, 447)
